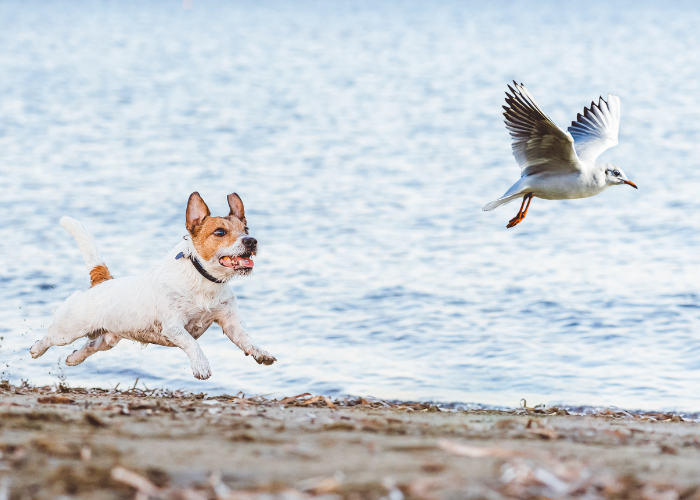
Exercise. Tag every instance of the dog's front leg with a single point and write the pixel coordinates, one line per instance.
(176, 333)
(234, 329)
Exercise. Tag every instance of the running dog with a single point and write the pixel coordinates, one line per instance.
(174, 303)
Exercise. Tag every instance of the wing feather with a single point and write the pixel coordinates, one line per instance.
(538, 144)
(596, 130)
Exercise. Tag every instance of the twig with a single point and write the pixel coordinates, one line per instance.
(139, 483)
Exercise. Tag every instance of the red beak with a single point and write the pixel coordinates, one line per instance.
(631, 184)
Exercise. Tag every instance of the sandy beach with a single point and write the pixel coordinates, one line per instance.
(161, 444)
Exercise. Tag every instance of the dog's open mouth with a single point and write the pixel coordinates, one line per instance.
(237, 262)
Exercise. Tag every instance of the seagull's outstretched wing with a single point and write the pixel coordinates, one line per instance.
(596, 130)
(538, 144)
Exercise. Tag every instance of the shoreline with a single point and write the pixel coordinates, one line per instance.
(573, 408)
(97, 443)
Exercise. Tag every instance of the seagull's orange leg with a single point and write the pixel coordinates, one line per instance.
(529, 199)
(521, 214)
(516, 220)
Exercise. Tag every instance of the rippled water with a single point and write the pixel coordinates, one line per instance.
(364, 140)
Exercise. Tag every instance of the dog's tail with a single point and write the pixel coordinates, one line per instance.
(93, 260)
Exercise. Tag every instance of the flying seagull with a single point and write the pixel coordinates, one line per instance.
(558, 164)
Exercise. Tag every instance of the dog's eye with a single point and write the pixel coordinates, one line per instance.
(219, 232)
(246, 230)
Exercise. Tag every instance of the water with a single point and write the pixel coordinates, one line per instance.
(364, 139)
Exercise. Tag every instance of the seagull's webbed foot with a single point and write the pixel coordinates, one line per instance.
(521, 213)
(515, 220)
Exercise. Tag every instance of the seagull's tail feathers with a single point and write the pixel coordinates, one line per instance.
(502, 201)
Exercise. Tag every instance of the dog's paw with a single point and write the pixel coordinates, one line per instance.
(262, 357)
(200, 369)
(38, 349)
(73, 359)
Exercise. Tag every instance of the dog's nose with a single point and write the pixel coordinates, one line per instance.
(250, 242)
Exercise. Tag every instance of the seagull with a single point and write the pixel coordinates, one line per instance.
(557, 164)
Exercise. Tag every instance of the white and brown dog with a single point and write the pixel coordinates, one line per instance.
(174, 303)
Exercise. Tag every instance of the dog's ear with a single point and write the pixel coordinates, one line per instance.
(197, 210)
(236, 205)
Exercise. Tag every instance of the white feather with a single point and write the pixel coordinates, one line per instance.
(596, 130)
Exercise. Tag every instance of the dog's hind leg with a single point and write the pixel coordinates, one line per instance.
(58, 334)
(41, 346)
(102, 343)
(69, 324)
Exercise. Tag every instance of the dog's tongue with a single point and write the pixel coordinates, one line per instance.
(236, 261)
(243, 261)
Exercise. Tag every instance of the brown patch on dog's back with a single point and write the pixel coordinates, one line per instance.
(99, 274)
(207, 243)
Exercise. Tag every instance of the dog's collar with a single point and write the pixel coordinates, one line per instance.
(200, 269)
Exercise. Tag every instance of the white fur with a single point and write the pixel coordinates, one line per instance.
(172, 305)
(85, 241)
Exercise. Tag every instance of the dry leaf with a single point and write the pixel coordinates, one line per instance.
(510, 423)
(321, 485)
(339, 426)
(465, 450)
(428, 488)
(55, 400)
(301, 451)
(94, 420)
(293, 398)
(311, 400)
(433, 468)
(545, 433)
(56, 448)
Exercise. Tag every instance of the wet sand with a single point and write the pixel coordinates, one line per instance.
(160, 444)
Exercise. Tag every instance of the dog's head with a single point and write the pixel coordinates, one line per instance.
(222, 243)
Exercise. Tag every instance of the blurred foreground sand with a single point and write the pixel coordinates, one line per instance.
(160, 444)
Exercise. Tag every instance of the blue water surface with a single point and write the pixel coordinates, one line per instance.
(364, 138)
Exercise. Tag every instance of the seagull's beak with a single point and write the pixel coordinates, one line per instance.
(631, 184)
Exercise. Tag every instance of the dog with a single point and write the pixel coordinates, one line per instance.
(174, 303)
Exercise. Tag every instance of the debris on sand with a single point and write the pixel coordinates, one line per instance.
(160, 444)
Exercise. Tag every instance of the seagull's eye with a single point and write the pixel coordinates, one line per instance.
(616, 173)
(220, 232)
